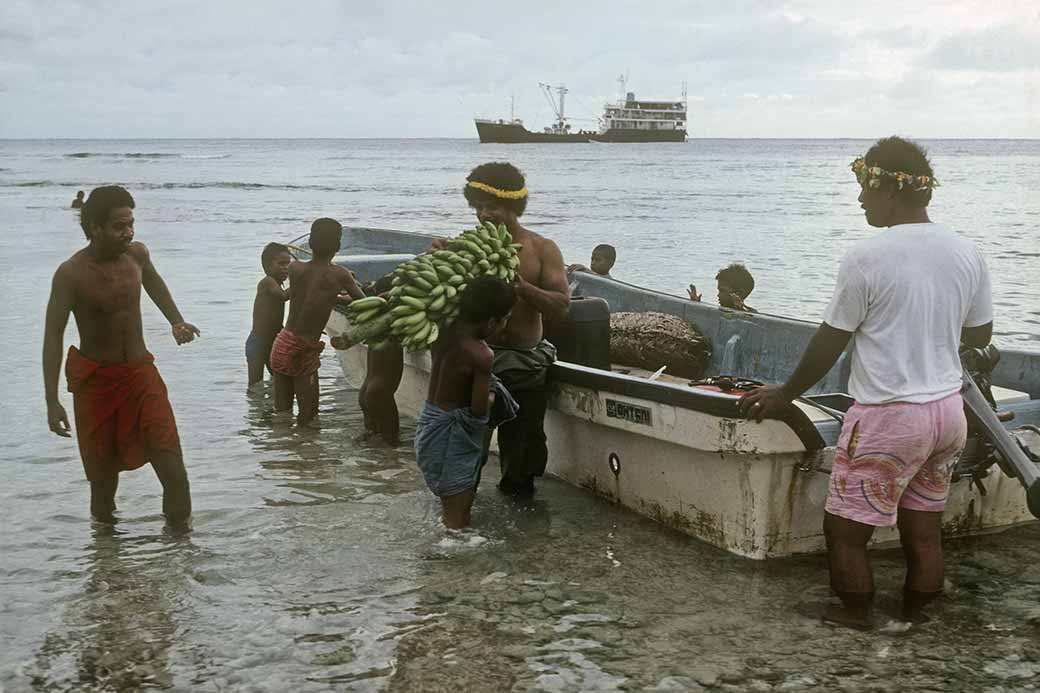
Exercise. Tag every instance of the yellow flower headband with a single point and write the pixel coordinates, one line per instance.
(870, 176)
(503, 194)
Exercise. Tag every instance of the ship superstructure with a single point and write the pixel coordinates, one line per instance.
(628, 120)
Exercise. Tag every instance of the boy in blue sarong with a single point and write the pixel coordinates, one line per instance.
(464, 401)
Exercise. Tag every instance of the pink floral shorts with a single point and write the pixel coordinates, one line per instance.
(895, 455)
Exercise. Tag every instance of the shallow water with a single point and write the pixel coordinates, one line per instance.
(317, 562)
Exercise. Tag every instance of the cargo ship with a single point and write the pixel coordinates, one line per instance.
(628, 120)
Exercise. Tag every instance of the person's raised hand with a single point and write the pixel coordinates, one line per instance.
(764, 401)
(576, 268)
(692, 292)
(438, 243)
(58, 420)
(184, 332)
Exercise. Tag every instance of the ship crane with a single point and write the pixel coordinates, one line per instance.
(561, 125)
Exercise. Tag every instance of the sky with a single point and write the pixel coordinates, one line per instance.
(188, 68)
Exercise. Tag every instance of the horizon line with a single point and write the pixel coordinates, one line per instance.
(474, 139)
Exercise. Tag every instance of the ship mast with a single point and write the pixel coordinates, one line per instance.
(561, 121)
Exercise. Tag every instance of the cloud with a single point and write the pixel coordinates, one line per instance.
(322, 68)
(995, 49)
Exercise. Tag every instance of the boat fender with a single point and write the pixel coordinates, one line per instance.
(615, 463)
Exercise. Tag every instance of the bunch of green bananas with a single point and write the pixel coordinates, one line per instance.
(426, 290)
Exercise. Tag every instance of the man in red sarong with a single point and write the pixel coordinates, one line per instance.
(123, 415)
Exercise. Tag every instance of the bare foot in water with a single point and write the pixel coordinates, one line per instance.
(850, 618)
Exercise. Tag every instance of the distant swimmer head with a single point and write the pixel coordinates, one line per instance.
(326, 236)
(107, 218)
(487, 301)
(603, 258)
(275, 259)
(895, 176)
(497, 192)
(79, 194)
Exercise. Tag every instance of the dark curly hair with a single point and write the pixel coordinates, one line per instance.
(738, 278)
(497, 174)
(100, 203)
(269, 252)
(486, 297)
(326, 236)
(897, 154)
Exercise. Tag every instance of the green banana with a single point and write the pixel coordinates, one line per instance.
(422, 282)
(413, 319)
(365, 316)
(360, 305)
(434, 334)
(437, 304)
(414, 302)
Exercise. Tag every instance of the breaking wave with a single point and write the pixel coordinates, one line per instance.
(225, 185)
(143, 155)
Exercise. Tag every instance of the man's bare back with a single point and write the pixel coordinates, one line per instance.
(316, 285)
(461, 364)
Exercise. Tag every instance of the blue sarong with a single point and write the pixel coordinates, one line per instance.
(449, 445)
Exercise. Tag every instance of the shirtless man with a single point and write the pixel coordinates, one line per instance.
(455, 421)
(123, 415)
(296, 353)
(497, 192)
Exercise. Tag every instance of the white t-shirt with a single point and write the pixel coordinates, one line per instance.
(905, 294)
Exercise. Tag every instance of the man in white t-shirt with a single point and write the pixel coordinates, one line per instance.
(905, 299)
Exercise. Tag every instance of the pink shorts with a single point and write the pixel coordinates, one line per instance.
(897, 455)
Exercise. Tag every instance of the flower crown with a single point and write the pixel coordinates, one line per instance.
(870, 177)
(497, 192)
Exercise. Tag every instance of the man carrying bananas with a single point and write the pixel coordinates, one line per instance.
(497, 192)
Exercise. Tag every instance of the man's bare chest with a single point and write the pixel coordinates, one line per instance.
(109, 288)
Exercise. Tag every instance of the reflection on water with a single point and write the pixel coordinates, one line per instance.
(117, 634)
(323, 567)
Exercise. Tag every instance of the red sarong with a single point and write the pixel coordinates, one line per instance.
(123, 414)
(294, 356)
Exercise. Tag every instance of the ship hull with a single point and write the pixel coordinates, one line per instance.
(511, 133)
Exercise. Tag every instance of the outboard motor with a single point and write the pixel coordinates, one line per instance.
(583, 337)
(988, 441)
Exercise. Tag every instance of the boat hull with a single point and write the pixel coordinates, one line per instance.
(750, 489)
(513, 133)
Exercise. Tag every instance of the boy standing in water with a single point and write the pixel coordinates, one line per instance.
(268, 310)
(123, 415)
(382, 376)
(296, 352)
(451, 430)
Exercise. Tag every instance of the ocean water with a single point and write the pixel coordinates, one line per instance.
(317, 562)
